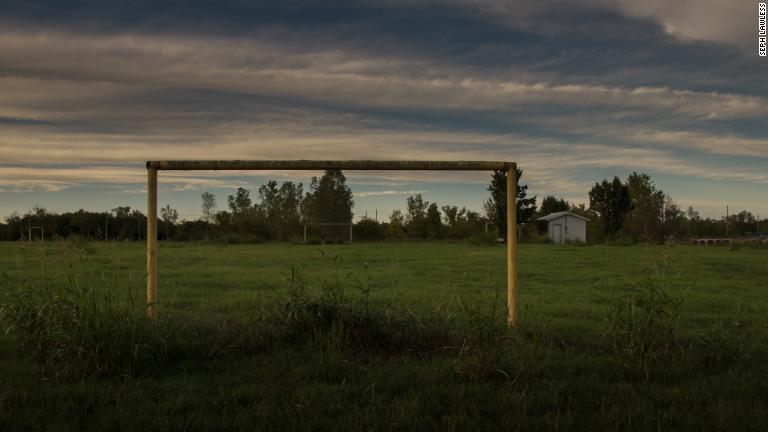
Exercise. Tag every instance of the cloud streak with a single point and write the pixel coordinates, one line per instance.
(388, 193)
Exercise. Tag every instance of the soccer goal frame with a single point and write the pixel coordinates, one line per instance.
(31, 229)
(316, 165)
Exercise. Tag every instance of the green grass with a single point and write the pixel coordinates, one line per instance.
(584, 357)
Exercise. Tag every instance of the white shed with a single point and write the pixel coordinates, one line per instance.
(566, 226)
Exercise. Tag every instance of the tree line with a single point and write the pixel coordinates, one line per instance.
(637, 211)
(634, 210)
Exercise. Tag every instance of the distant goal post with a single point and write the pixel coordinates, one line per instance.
(316, 165)
(32, 229)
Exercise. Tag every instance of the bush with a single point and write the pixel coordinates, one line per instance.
(642, 324)
(369, 229)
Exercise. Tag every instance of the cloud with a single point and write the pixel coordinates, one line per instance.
(388, 193)
(119, 64)
(733, 22)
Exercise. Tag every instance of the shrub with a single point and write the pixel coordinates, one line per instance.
(642, 323)
(369, 229)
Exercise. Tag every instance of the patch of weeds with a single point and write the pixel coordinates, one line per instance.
(490, 350)
(643, 322)
(78, 323)
(723, 346)
(328, 348)
(719, 348)
(210, 340)
(341, 304)
(83, 245)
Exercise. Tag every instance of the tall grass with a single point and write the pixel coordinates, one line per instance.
(644, 320)
(80, 319)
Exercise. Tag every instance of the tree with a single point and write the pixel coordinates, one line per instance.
(170, 216)
(496, 205)
(281, 208)
(741, 223)
(456, 221)
(240, 203)
(644, 221)
(208, 206)
(290, 203)
(121, 212)
(39, 211)
(674, 220)
(269, 204)
(329, 199)
(453, 215)
(13, 227)
(416, 216)
(369, 229)
(551, 204)
(434, 224)
(396, 226)
(610, 200)
(140, 219)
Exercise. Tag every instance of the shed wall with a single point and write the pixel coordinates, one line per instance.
(573, 229)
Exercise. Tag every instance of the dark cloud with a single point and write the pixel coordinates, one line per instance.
(592, 42)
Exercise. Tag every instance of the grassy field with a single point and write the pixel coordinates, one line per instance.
(390, 336)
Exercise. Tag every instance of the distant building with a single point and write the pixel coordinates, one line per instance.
(564, 227)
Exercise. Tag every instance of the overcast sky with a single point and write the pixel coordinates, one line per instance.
(574, 91)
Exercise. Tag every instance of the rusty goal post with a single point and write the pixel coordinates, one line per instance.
(316, 165)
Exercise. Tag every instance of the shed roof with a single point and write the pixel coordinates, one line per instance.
(556, 215)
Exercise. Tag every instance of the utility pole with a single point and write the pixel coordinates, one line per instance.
(106, 226)
(726, 221)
